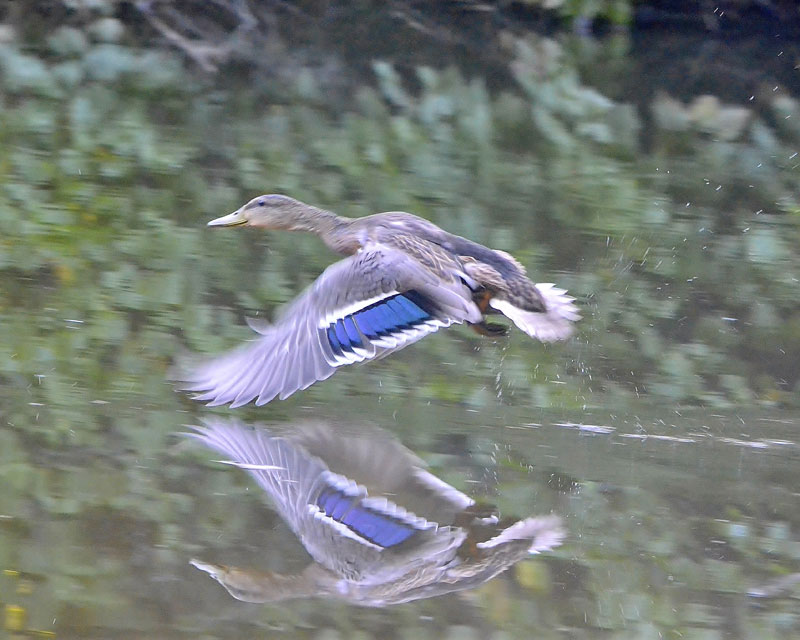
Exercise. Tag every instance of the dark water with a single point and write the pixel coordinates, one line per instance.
(664, 434)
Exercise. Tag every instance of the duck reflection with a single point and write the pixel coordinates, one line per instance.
(381, 529)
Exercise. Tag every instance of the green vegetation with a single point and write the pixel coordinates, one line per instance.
(684, 256)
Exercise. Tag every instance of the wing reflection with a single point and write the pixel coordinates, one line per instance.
(380, 528)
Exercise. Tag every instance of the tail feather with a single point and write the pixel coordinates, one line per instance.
(554, 323)
(542, 533)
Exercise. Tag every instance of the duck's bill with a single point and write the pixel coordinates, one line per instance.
(231, 220)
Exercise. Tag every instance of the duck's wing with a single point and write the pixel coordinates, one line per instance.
(377, 460)
(361, 308)
(286, 472)
(342, 525)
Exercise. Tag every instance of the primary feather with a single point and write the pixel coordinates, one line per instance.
(381, 528)
(404, 278)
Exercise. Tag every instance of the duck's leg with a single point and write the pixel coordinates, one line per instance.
(483, 328)
(475, 514)
(480, 522)
(489, 329)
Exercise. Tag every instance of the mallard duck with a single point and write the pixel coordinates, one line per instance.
(380, 528)
(404, 279)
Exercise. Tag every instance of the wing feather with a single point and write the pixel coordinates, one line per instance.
(341, 525)
(296, 351)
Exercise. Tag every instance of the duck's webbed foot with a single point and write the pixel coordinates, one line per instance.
(489, 329)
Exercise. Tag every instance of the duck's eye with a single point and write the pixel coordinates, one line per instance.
(261, 203)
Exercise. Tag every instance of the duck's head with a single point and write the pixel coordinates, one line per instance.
(270, 211)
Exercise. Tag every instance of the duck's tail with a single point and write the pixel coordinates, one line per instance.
(555, 322)
(542, 533)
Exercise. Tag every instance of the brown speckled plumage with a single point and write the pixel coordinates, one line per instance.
(402, 279)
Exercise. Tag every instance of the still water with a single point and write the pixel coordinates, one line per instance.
(663, 435)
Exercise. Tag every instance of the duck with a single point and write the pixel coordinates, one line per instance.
(402, 279)
(380, 528)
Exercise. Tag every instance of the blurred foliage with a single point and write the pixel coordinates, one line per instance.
(675, 222)
(683, 255)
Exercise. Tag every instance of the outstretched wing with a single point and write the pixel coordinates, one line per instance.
(361, 308)
(286, 472)
(377, 460)
(342, 526)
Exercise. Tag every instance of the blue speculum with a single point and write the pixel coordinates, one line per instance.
(379, 528)
(397, 313)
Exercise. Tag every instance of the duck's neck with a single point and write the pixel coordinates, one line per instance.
(336, 231)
